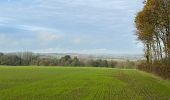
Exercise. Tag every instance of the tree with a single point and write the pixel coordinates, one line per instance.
(112, 64)
(1, 54)
(104, 63)
(153, 29)
(12, 60)
(66, 60)
(75, 62)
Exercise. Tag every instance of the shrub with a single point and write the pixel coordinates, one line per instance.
(159, 68)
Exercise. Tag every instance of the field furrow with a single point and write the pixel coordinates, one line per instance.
(65, 83)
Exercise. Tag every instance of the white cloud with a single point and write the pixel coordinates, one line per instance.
(48, 37)
(104, 4)
(5, 20)
(3, 38)
(36, 24)
(6, 41)
(84, 40)
(77, 40)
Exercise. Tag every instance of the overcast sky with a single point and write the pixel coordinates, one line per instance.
(75, 26)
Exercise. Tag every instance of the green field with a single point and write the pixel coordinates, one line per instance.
(59, 83)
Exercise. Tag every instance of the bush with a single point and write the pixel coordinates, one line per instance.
(159, 68)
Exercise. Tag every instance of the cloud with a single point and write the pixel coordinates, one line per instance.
(6, 41)
(74, 25)
(82, 40)
(48, 37)
(5, 20)
(3, 38)
(77, 40)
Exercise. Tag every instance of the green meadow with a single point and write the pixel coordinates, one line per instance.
(68, 83)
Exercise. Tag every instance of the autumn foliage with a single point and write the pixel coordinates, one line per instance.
(153, 29)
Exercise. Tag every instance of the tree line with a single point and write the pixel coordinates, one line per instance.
(153, 29)
(28, 59)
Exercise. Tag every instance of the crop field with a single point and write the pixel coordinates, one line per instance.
(66, 83)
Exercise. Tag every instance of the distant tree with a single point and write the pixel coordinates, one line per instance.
(66, 61)
(1, 54)
(12, 60)
(75, 62)
(66, 58)
(112, 64)
(96, 63)
(104, 63)
(26, 57)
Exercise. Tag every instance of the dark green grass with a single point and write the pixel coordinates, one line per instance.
(49, 83)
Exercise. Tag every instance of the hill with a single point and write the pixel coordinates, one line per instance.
(115, 57)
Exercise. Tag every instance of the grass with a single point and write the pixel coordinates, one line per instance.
(60, 83)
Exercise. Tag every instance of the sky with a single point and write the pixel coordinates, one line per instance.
(69, 26)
